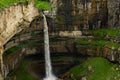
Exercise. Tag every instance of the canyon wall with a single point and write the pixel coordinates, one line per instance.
(70, 15)
(14, 19)
(114, 13)
(87, 14)
(12, 61)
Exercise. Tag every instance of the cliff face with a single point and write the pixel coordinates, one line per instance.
(114, 13)
(82, 13)
(79, 14)
(14, 19)
(54, 6)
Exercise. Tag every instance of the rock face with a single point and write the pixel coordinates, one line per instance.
(72, 15)
(114, 13)
(12, 61)
(13, 20)
(80, 14)
(62, 46)
(111, 53)
(16, 18)
(72, 34)
(54, 6)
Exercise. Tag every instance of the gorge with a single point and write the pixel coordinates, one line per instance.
(84, 39)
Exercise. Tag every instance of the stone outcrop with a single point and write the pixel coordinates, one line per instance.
(81, 14)
(90, 14)
(114, 13)
(15, 18)
(111, 53)
(1, 61)
(67, 47)
(64, 46)
(54, 7)
(12, 61)
(70, 34)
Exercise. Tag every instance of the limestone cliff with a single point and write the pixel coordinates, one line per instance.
(14, 19)
(80, 14)
(54, 6)
(114, 13)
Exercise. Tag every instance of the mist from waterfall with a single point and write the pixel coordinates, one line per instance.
(48, 67)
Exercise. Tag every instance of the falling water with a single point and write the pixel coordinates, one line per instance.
(49, 75)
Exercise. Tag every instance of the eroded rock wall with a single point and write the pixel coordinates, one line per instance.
(80, 14)
(13, 61)
(114, 13)
(16, 18)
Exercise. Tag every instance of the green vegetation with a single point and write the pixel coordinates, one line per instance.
(7, 3)
(105, 32)
(11, 50)
(40, 4)
(100, 38)
(95, 69)
(19, 46)
(97, 43)
(21, 73)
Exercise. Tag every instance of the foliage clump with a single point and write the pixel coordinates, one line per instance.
(40, 4)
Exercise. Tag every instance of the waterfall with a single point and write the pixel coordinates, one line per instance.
(48, 67)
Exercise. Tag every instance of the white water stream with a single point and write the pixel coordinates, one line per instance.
(48, 67)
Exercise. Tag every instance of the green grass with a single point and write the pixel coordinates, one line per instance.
(40, 4)
(21, 73)
(97, 43)
(7, 3)
(101, 70)
(43, 5)
(105, 32)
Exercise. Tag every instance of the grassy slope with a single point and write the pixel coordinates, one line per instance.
(102, 70)
(41, 4)
(97, 43)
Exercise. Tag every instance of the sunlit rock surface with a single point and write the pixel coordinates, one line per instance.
(16, 18)
(70, 34)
